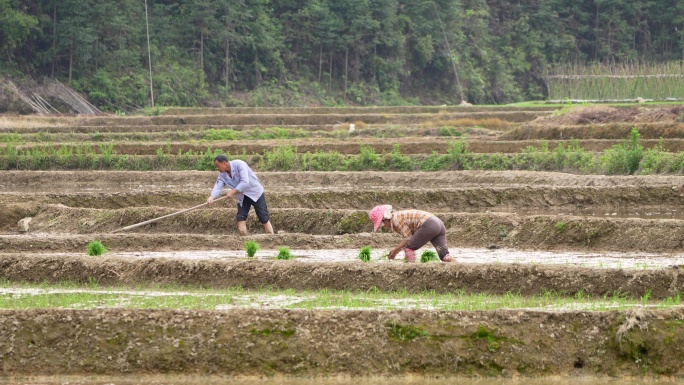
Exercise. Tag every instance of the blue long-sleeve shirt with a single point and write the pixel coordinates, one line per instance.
(243, 179)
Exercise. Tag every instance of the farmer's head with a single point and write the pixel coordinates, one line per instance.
(381, 214)
(222, 164)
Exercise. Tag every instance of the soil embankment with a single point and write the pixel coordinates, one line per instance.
(355, 276)
(314, 343)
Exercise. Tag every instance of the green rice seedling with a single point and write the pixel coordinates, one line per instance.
(365, 253)
(96, 248)
(428, 256)
(284, 253)
(251, 247)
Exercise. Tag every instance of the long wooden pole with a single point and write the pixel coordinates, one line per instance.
(166, 216)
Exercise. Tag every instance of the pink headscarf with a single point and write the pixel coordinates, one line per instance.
(378, 213)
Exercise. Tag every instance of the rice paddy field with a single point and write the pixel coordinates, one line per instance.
(567, 223)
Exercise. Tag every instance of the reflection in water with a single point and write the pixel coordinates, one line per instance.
(413, 380)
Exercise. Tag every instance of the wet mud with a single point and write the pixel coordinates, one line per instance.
(310, 343)
(517, 211)
(525, 279)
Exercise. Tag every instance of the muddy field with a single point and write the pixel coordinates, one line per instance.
(501, 343)
(513, 231)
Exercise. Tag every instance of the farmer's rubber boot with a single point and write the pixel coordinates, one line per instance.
(409, 254)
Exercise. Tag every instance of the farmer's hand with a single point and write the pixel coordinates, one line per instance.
(210, 200)
(393, 253)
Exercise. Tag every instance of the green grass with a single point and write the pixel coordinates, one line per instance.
(365, 253)
(285, 253)
(95, 248)
(251, 248)
(92, 295)
(626, 158)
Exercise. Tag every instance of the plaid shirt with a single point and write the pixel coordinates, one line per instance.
(408, 221)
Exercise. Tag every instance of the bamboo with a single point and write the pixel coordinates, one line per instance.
(166, 216)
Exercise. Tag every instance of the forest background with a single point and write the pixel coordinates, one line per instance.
(326, 52)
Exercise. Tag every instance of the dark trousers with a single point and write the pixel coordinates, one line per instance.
(432, 230)
(260, 208)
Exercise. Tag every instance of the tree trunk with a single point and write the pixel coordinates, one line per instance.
(330, 69)
(596, 34)
(346, 63)
(357, 71)
(375, 58)
(257, 73)
(54, 37)
(320, 63)
(71, 60)
(202, 51)
(227, 68)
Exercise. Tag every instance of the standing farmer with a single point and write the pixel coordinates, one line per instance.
(416, 226)
(245, 187)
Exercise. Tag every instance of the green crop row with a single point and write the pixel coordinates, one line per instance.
(626, 158)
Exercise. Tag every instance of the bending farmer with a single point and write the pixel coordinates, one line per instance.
(245, 187)
(417, 227)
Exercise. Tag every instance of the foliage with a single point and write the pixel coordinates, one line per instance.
(95, 248)
(320, 52)
(624, 158)
(284, 253)
(365, 254)
(251, 247)
(428, 256)
(560, 226)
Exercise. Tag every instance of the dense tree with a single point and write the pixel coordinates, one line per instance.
(485, 51)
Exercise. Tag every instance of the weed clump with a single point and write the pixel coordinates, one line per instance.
(95, 248)
(428, 256)
(365, 253)
(251, 247)
(284, 253)
(560, 226)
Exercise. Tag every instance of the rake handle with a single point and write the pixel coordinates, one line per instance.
(167, 216)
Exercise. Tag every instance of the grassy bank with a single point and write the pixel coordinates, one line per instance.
(71, 295)
(627, 158)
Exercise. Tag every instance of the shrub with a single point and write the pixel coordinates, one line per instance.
(365, 253)
(624, 158)
(96, 248)
(282, 158)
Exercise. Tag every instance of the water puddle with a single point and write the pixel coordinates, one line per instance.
(635, 260)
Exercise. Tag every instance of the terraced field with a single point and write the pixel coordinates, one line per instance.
(515, 230)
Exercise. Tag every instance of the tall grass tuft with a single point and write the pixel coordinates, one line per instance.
(365, 253)
(624, 158)
(428, 256)
(95, 248)
(284, 253)
(251, 247)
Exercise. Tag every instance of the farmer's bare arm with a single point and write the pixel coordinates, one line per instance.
(393, 253)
